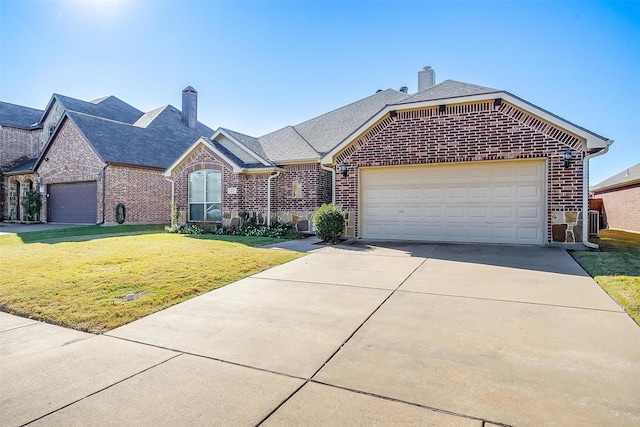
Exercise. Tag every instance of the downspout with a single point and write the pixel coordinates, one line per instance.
(269, 197)
(585, 195)
(333, 181)
(104, 192)
(173, 197)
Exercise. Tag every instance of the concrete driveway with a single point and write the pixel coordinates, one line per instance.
(387, 334)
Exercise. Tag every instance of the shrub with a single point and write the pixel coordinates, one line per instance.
(328, 221)
(31, 203)
(277, 230)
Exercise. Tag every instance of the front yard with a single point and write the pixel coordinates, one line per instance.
(616, 267)
(98, 278)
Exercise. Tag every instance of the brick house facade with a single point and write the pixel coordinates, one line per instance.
(471, 132)
(471, 128)
(20, 143)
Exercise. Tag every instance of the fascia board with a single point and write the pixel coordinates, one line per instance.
(241, 145)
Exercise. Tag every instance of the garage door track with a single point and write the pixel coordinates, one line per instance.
(351, 335)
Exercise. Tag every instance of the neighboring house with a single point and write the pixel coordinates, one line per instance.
(455, 162)
(88, 157)
(20, 144)
(620, 197)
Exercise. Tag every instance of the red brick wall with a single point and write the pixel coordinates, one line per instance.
(622, 208)
(203, 158)
(145, 193)
(463, 133)
(310, 179)
(71, 159)
(313, 187)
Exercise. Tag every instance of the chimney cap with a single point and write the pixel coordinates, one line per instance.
(404, 89)
(189, 89)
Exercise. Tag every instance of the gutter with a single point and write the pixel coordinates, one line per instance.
(585, 194)
(269, 196)
(333, 181)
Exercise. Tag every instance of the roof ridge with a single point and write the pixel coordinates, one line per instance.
(101, 118)
(347, 105)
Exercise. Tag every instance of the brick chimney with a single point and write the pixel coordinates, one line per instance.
(426, 78)
(190, 106)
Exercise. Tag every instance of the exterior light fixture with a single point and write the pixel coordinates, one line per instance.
(566, 158)
(343, 169)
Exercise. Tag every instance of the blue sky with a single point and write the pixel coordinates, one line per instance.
(261, 65)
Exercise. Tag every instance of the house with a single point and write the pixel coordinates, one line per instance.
(20, 143)
(620, 196)
(454, 162)
(88, 157)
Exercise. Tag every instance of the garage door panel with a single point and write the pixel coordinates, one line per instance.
(489, 202)
(72, 202)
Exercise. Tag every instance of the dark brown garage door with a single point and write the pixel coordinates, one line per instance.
(75, 202)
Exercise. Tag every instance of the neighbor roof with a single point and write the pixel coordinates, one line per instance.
(18, 116)
(108, 107)
(24, 167)
(157, 145)
(626, 177)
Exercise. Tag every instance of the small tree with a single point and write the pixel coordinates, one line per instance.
(31, 203)
(328, 221)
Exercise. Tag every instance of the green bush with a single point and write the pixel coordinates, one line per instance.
(250, 228)
(328, 221)
(31, 203)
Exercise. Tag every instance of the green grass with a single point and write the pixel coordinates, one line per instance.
(79, 277)
(616, 267)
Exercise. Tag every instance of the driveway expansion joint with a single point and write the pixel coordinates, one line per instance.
(99, 391)
(621, 311)
(406, 402)
(20, 327)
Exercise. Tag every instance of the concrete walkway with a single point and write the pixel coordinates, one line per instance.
(352, 335)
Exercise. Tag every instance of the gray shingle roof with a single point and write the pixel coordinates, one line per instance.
(158, 144)
(249, 142)
(109, 107)
(286, 145)
(238, 161)
(26, 166)
(324, 132)
(626, 177)
(18, 116)
(448, 89)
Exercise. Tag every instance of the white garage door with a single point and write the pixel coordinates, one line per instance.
(484, 202)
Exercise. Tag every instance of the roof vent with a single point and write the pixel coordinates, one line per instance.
(190, 106)
(426, 78)
(379, 90)
(404, 89)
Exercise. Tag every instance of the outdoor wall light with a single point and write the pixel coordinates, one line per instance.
(343, 169)
(567, 158)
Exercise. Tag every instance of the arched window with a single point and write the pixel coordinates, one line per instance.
(205, 196)
(52, 129)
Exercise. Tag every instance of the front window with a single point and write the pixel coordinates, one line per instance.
(205, 196)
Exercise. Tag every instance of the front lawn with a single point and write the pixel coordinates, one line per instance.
(81, 279)
(616, 267)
